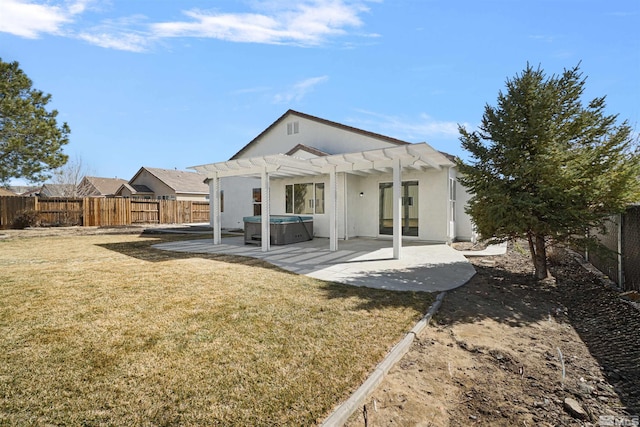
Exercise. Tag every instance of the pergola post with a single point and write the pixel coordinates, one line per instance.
(214, 208)
(333, 227)
(266, 211)
(397, 209)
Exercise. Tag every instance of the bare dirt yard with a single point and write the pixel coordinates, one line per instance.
(505, 350)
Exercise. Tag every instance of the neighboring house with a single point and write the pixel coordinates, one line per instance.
(58, 190)
(93, 186)
(6, 192)
(169, 184)
(345, 179)
(137, 191)
(25, 190)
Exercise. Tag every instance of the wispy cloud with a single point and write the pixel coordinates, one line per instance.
(298, 91)
(424, 127)
(302, 23)
(30, 20)
(127, 41)
(305, 23)
(121, 34)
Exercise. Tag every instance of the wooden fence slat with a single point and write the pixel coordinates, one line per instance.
(104, 212)
(10, 207)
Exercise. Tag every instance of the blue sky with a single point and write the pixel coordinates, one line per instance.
(173, 84)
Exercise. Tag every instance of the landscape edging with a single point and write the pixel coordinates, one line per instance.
(342, 413)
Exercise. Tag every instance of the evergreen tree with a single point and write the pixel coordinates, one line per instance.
(547, 168)
(30, 139)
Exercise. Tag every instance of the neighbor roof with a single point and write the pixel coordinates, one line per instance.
(319, 120)
(57, 190)
(105, 186)
(134, 189)
(5, 192)
(179, 181)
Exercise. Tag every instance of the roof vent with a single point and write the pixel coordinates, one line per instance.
(293, 127)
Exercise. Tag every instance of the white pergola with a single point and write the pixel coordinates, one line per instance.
(394, 159)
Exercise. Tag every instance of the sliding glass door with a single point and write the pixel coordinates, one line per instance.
(409, 212)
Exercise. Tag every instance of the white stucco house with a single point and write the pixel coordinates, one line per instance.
(354, 183)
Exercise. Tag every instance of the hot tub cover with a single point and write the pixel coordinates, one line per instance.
(278, 219)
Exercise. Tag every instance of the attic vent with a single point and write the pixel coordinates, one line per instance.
(293, 127)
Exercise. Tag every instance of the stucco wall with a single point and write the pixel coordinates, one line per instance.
(360, 218)
(238, 201)
(364, 211)
(329, 139)
(464, 225)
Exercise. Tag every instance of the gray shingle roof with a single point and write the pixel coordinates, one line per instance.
(58, 190)
(105, 186)
(5, 192)
(181, 181)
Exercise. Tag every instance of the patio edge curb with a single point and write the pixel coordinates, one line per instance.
(342, 413)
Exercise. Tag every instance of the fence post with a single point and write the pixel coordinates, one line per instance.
(620, 255)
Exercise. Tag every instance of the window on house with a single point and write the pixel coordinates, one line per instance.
(319, 198)
(307, 198)
(288, 198)
(257, 201)
(293, 127)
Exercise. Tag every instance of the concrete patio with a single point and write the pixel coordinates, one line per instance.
(422, 267)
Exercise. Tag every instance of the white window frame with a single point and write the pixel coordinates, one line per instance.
(314, 202)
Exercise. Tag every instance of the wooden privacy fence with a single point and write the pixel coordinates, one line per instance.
(94, 211)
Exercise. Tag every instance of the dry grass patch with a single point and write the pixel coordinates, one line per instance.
(107, 330)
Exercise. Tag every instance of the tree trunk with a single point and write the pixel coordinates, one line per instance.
(538, 251)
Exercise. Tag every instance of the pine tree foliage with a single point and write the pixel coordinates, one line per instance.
(546, 167)
(30, 139)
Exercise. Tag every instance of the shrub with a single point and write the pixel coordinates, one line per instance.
(26, 218)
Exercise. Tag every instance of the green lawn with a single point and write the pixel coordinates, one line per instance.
(105, 330)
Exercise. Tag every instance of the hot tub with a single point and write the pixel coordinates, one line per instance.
(284, 229)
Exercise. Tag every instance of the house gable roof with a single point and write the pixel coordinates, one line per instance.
(178, 180)
(306, 148)
(5, 192)
(57, 190)
(318, 120)
(103, 186)
(134, 189)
